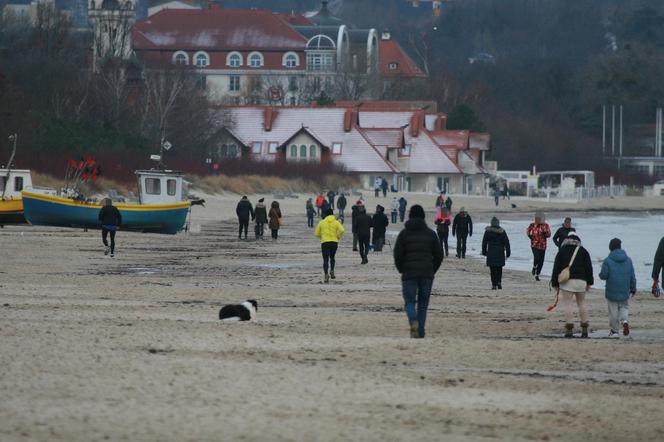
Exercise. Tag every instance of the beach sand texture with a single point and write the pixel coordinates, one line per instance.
(93, 348)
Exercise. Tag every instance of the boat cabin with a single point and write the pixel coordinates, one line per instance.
(160, 186)
(13, 181)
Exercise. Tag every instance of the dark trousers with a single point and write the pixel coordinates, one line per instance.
(310, 220)
(329, 250)
(244, 225)
(260, 229)
(376, 192)
(319, 210)
(394, 217)
(341, 212)
(442, 237)
(355, 240)
(461, 245)
(104, 235)
(496, 276)
(378, 241)
(275, 233)
(385, 192)
(538, 260)
(364, 245)
(402, 215)
(416, 293)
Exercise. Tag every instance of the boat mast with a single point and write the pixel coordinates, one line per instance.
(12, 137)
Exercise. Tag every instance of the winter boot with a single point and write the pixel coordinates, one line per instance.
(584, 329)
(107, 250)
(327, 278)
(332, 275)
(414, 329)
(569, 330)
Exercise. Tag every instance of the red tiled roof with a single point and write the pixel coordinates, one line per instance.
(216, 28)
(389, 52)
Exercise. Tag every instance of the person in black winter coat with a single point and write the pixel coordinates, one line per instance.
(341, 205)
(379, 223)
(330, 198)
(496, 248)
(110, 220)
(244, 211)
(354, 211)
(580, 281)
(462, 228)
(362, 226)
(657, 266)
(562, 232)
(417, 257)
(260, 215)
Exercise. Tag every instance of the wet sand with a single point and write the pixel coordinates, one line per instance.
(93, 348)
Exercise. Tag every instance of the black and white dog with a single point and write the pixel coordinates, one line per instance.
(239, 312)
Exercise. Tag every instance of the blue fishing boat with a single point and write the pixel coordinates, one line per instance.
(161, 208)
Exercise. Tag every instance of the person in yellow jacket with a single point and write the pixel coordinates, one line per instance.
(330, 231)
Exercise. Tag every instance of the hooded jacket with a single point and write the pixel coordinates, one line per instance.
(329, 229)
(417, 252)
(582, 268)
(618, 272)
(110, 216)
(341, 202)
(362, 224)
(495, 246)
(402, 204)
(275, 216)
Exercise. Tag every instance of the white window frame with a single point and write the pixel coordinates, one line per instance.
(405, 151)
(228, 59)
(250, 61)
(186, 58)
(154, 188)
(285, 60)
(272, 147)
(207, 59)
(232, 86)
(393, 66)
(337, 148)
(257, 147)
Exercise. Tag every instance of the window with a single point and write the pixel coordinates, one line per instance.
(234, 83)
(255, 60)
(234, 60)
(201, 59)
(181, 58)
(303, 151)
(170, 187)
(291, 60)
(320, 61)
(393, 66)
(292, 84)
(256, 147)
(18, 183)
(312, 151)
(272, 147)
(153, 186)
(336, 148)
(293, 151)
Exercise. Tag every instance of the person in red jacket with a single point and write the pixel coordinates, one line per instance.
(320, 200)
(538, 232)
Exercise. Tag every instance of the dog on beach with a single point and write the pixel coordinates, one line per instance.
(239, 312)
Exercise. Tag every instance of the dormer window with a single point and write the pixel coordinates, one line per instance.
(255, 59)
(234, 60)
(393, 66)
(181, 58)
(202, 59)
(291, 60)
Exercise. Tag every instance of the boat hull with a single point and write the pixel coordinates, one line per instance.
(11, 211)
(46, 210)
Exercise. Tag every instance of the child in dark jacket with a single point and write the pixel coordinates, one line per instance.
(618, 272)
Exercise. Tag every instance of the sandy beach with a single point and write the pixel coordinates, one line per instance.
(93, 348)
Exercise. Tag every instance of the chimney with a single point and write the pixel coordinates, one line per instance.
(441, 123)
(415, 124)
(268, 118)
(350, 119)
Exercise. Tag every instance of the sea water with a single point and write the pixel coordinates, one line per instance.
(640, 236)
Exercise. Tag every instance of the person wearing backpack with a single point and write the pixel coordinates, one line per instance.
(573, 276)
(618, 272)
